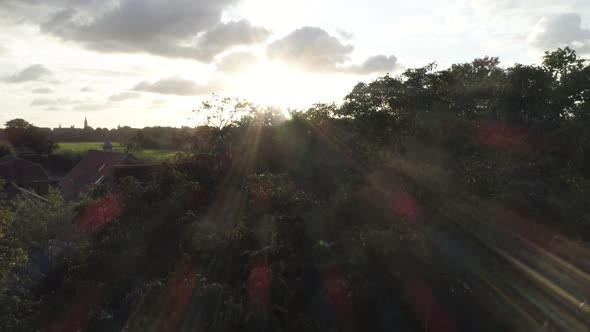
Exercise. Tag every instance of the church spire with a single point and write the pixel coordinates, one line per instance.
(85, 123)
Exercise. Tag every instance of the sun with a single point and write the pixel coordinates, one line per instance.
(272, 83)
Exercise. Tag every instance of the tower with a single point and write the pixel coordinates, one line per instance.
(107, 146)
(85, 123)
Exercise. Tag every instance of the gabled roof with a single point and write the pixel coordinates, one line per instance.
(13, 167)
(95, 167)
(13, 189)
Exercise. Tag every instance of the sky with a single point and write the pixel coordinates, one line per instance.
(151, 62)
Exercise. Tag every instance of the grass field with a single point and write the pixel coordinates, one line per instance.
(83, 147)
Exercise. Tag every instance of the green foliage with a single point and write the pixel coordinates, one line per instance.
(563, 61)
(27, 227)
(431, 186)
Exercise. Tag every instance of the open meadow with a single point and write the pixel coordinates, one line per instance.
(82, 147)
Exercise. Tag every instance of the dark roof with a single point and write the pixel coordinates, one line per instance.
(6, 158)
(12, 189)
(16, 168)
(94, 168)
(23, 174)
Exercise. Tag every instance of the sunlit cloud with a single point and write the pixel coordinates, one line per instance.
(42, 91)
(314, 49)
(124, 96)
(179, 86)
(237, 61)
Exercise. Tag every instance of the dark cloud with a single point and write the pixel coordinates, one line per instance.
(179, 86)
(42, 91)
(171, 28)
(311, 48)
(32, 73)
(237, 61)
(376, 64)
(124, 96)
(559, 31)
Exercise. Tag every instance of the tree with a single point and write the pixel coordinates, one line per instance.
(18, 124)
(21, 133)
(220, 112)
(412, 205)
(6, 149)
(562, 61)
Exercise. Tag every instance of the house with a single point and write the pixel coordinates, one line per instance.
(95, 168)
(24, 174)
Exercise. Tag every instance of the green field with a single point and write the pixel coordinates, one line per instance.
(83, 147)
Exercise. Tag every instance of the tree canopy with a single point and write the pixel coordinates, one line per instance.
(447, 200)
(22, 134)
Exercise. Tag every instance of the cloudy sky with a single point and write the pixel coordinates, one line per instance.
(150, 62)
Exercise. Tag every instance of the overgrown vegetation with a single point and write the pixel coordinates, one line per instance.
(433, 201)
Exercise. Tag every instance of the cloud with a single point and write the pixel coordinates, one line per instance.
(42, 91)
(86, 89)
(344, 33)
(30, 11)
(31, 73)
(227, 35)
(170, 28)
(376, 64)
(124, 96)
(559, 31)
(158, 103)
(311, 48)
(179, 86)
(89, 107)
(237, 61)
(49, 101)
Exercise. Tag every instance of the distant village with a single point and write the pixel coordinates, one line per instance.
(29, 166)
